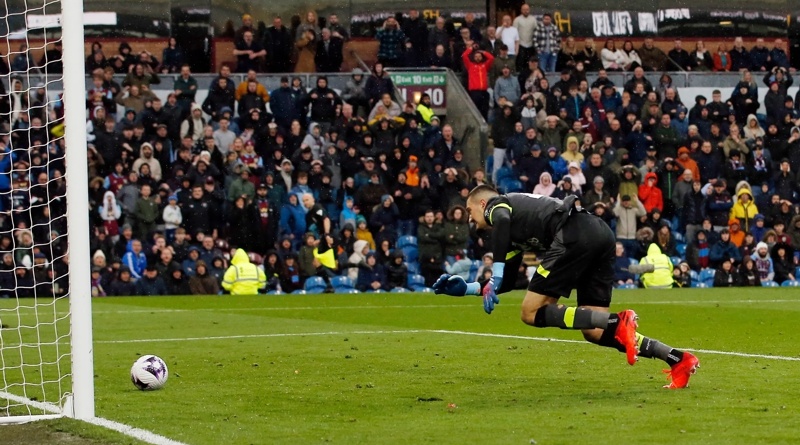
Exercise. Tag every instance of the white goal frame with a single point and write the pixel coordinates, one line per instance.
(80, 403)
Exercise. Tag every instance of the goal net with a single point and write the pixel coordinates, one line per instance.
(44, 302)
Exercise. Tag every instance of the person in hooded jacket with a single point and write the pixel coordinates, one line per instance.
(748, 274)
(661, 277)
(293, 220)
(123, 285)
(371, 275)
(202, 283)
(243, 277)
(650, 194)
(396, 271)
(176, 282)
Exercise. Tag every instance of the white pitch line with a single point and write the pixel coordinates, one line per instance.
(421, 306)
(234, 337)
(430, 331)
(137, 433)
(560, 340)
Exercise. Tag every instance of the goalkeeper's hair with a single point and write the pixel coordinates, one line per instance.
(482, 191)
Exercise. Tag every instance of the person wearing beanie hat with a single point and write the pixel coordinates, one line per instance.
(363, 233)
(172, 218)
(763, 262)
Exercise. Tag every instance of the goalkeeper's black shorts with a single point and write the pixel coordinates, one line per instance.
(581, 257)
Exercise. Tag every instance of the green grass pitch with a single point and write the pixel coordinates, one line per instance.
(420, 369)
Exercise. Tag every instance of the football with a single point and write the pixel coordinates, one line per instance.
(149, 372)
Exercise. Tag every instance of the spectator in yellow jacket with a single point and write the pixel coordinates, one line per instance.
(661, 276)
(744, 209)
(243, 277)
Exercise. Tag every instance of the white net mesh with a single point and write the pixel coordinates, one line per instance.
(34, 314)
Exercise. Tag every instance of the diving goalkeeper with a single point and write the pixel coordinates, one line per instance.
(577, 252)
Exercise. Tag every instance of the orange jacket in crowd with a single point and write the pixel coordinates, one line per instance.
(477, 73)
(650, 194)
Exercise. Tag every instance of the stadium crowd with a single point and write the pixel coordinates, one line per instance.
(707, 190)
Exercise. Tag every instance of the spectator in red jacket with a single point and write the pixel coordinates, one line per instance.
(650, 194)
(477, 64)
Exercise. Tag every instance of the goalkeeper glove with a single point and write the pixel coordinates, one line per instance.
(452, 285)
(489, 297)
(497, 275)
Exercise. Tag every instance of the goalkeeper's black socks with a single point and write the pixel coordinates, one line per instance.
(560, 316)
(650, 348)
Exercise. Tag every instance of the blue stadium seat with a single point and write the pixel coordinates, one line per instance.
(707, 276)
(509, 185)
(424, 290)
(681, 249)
(628, 286)
(695, 276)
(678, 237)
(633, 261)
(675, 260)
(400, 290)
(413, 268)
(411, 254)
(376, 291)
(700, 284)
(406, 241)
(342, 282)
(504, 173)
(769, 284)
(314, 285)
(275, 292)
(489, 164)
(790, 283)
(299, 292)
(415, 281)
(346, 291)
(797, 272)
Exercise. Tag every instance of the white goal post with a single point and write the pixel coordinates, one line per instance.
(46, 357)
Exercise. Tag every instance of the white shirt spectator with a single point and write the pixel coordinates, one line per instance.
(509, 36)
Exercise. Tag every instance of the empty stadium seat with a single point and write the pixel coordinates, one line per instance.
(790, 283)
(707, 276)
(415, 281)
(406, 241)
(675, 260)
(797, 272)
(413, 268)
(769, 284)
(695, 276)
(681, 249)
(400, 290)
(509, 185)
(314, 285)
(504, 173)
(275, 292)
(299, 292)
(347, 291)
(678, 237)
(627, 286)
(424, 290)
(342, 282)
(411, 254)
(699, 284)
(633, 261)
